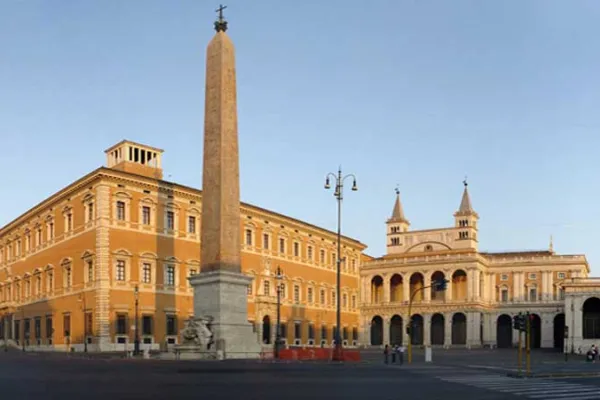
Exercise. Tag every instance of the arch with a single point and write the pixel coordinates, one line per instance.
(591, 318)
(417, 282)
(437, 329)
(266, 330)
(459, 329)
(559, 331)
(437, 295)
(430, 242)
(377, 331)
(396, 288)
(172, 206)
(193, 210)
(504, 331)
(416, 332)
(376, 289)
(396, 330)
(536, 331)
(459, 285)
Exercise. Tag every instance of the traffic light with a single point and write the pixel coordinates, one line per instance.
(516, 323)
(441, 284)
(520, 322)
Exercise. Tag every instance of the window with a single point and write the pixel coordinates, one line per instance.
(38, 284)
(191, 224)
(310, 295)
(429, 248)
(121, 210)
(170, 220)
(146, 325)
(266, 288)
(532, 276)
(266, 240)
(27, 242)
(561, 275)
(561, 293)
(146, 215)
(39, 236)
(504, 277)
(333, 298)
(532, 294)
(309, 252)
(121, 328)
(170, 278)
(171, 325)
(90, 212)
(27, 288)
(334, 258)
(281, 245)
(296, 294)
(121, 270)
(353, 264)
(282, 289)
(146, 273)
(249, 289)
(49, 328)
(68, 276)
(51, 231)
(322, 256)
(193, 272)
(67, 324)
(353, 302)
(296, 249)
(69, 221)
(345, 300)
(89, 324)
(322, 300)
(50, 280)
(18, 248)
(248, 237)
(90, 270)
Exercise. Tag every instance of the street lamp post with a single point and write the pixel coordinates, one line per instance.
(136, 343)
(339, 195)
(278, 277)
(83, 310)
(23, 323)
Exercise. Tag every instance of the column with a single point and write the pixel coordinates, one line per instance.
(448, 295)
(364, 332)
(547, 330)
(576, 328)
(489, 330)
(550, 286)
(470, 284)
(386, 288)
(406, 287)
(447, 330)
(427, 292)
(386, 329)
(427, 329)
(102, 270)
(545, 288)
(476, 284)
(473, 329)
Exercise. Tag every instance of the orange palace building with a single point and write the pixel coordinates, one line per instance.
(71, 266)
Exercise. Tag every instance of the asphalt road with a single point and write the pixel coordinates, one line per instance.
(60, 377)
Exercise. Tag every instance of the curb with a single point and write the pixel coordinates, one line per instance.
(554, 375)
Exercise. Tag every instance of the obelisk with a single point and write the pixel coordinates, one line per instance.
(220, 289)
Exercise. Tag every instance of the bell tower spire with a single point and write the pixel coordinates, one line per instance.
(397, 224)
(466, 219)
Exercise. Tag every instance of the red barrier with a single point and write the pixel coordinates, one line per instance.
(320, 354)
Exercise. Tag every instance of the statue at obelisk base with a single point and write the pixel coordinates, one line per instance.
(220, 289)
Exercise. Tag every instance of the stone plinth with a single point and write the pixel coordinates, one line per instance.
(194, 352)
(222, 295)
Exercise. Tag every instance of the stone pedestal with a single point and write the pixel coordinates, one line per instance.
(222, 295)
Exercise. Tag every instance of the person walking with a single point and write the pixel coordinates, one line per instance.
(401, 354)
(386, 353)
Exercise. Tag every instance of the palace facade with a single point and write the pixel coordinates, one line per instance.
(484, 290)
(115, 248)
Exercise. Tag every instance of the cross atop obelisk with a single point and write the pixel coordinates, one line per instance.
(221, 24)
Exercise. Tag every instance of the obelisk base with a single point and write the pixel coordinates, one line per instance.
(223, 295)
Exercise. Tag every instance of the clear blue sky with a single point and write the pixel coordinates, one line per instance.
(415, 93)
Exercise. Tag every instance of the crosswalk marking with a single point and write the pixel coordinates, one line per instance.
(532, 389)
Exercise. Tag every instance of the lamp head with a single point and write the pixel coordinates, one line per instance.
(354, 187)
(327, 185)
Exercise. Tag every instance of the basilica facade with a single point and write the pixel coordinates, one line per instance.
(484, 289)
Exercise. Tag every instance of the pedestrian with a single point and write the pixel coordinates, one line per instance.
(401, 354)
(386, 352)
(394, 351)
